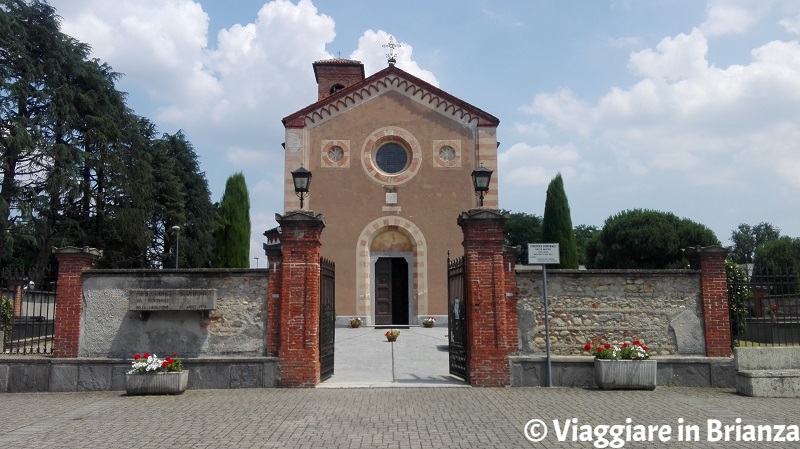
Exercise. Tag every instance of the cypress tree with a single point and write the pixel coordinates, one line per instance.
(232, 235)
(557, 224)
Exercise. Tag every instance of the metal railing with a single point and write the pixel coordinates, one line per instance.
(768, 311)
(32, 328)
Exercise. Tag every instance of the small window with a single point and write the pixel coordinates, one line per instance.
(335, 153)
(336, 88)
(447, 153)
(391, 158)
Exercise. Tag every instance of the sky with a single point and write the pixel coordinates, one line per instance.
(680, 106)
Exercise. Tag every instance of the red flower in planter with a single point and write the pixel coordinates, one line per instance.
(624, 351)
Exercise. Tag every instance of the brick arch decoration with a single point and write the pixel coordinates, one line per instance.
(391, 134)
(419, 266)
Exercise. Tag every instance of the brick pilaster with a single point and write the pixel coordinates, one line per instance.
(72, 262)
(298, 351)
(710, 261)
(272, 249)
(17, 286)
(492, 329)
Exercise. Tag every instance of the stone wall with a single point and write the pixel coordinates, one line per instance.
(661, 307)
(234, 328)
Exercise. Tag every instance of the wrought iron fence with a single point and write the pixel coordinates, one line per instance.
(765, 307)
(457, 319)
(327, 317)
(27, 313)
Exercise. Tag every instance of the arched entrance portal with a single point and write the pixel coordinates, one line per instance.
(392, 305)
(391, 255)
(391, 271)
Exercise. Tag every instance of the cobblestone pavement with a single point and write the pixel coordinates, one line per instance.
(371, 417)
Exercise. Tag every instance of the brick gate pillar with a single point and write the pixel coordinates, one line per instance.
(298, 347)
(710, 260)
(16, 285)
(492, 320)
(72, 262)
(272, 249)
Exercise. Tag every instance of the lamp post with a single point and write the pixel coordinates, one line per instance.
(480, 181)
(177, 231)
(302, 180)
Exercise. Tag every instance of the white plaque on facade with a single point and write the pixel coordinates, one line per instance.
(172, 299)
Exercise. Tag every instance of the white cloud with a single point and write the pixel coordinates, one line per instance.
(626, 42)
(524, 165)
(732, 16)
(220, 94)
(791, 24)
(140, 40)
(673, 59)
(371, 52)
(561, 108)
(702, 124)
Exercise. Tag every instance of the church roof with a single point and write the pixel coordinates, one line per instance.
(390, 78)
(337, 61)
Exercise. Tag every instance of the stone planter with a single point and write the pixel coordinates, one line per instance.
(158, 383)
(625, 374)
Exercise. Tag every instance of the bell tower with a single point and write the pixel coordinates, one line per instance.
(333, 75)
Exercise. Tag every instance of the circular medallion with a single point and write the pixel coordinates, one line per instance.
(447, 153)
(335, 153)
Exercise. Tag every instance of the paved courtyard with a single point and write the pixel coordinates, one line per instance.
(368, 417)
(363, 358)
(361, 407)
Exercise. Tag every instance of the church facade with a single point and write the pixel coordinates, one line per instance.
(391, 158)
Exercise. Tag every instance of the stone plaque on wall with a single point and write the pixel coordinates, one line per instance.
(172, 299)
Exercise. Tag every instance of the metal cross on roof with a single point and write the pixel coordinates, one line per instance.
(391, 46)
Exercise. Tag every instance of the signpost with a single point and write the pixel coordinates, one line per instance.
(544, 254)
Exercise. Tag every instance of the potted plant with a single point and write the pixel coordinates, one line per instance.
(392, 334)
(355, 322)
(623, 367)
(150, 374)
(429, 322)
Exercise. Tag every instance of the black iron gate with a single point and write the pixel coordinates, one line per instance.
(457, 319)
(27, 311)
(765, 306)
(327, 317)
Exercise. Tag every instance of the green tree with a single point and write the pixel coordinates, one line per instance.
(77, 167)
(739, 295)
(33, 54)
(197, 239)
(520, 229)
(557, 224)
(232, 234)
(584, 235)
(647, 239)
(783, 252)
(777, 262)
(747, 238)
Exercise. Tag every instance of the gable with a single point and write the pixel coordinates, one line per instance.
(390, 79)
